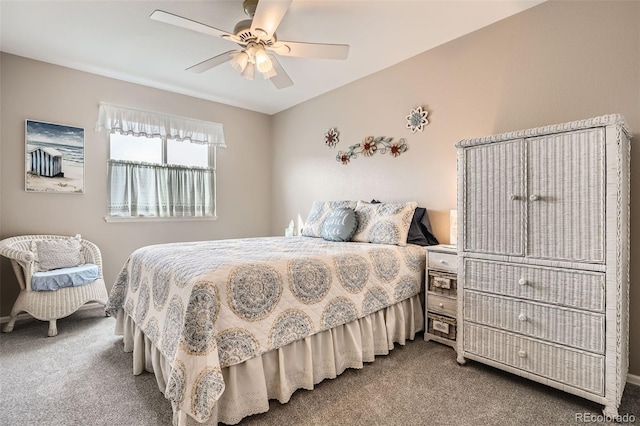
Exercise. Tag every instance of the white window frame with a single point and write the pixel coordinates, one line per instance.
(140, 123)
(212, 164)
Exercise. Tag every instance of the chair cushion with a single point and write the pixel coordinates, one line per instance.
(65, 277)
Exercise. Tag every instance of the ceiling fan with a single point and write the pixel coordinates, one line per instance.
(256, 37)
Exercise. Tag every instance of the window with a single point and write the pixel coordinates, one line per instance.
(157, 151)
(159, 166)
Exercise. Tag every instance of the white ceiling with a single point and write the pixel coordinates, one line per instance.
(117, 39)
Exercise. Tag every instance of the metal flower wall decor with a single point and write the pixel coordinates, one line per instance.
(417, 119)
(370, 146)
(332, 137)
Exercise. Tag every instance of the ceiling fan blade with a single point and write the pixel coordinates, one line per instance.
(311, 50)
(179, 21)
(281, 79)
(211, 62)
(268, 15)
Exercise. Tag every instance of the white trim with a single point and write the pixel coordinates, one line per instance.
(24, 315)
(633, 379)
(604, 120)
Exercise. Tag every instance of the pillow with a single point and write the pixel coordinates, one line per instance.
(340, 224)
(319, 212)
(383, 223)
(420, 232)
(58, 253)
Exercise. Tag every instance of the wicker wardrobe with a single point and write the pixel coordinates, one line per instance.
(543, 255)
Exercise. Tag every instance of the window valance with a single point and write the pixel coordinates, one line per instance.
(131, 121)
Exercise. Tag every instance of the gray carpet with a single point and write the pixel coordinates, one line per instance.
(83, 377)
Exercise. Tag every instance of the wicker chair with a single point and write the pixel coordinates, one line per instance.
(49, 305)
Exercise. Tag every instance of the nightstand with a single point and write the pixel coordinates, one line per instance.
(441, 295)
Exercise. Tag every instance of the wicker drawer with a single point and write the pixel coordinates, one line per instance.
(580, 329)
(441, 326)
(443, 261)
(572, 367)
(444, 283)
(575, 289)
(442, 305)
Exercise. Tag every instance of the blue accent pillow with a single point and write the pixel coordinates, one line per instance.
(340, 224)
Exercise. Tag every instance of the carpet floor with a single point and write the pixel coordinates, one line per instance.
(83, 377)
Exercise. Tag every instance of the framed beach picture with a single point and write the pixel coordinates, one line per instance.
(54, 158)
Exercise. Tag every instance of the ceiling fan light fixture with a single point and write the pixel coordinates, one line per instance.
(249, 71)
(263, 63)
(252, 49)
(256, 36)
(239, 61)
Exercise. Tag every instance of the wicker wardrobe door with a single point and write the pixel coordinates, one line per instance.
(566, 196)
(495, 196)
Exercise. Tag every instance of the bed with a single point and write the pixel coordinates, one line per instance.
(227, 325)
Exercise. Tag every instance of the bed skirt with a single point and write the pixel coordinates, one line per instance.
(277, 374)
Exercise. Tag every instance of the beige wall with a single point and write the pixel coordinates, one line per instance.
(41, 91)
(557, 62)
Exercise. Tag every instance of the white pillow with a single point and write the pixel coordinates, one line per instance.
(384, 223)
(58, 253)
(318, 214)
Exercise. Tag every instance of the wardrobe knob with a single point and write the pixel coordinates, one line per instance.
(522, 354)
(522, 317)
(522, 281)
(534, 197)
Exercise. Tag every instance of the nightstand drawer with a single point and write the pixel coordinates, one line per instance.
(443, 261)
(442, 305)
(441, 326)
(444, 283)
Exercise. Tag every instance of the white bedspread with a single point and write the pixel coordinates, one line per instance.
(212, 304)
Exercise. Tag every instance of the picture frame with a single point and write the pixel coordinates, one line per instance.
(54, 158)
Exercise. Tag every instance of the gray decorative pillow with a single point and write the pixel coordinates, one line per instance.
(340, 224)
(58, 253)
(319, 212)
(384, 223)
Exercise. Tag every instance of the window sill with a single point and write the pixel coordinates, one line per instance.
(116, 219)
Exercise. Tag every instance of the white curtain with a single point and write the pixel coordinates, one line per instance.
(132, 121)
(155, 190)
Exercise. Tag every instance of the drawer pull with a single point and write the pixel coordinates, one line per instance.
(522, 317)
(444, 262)
(522, 281)
(441, 305)
(534, 197)
(522, 354)
(513, 197)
